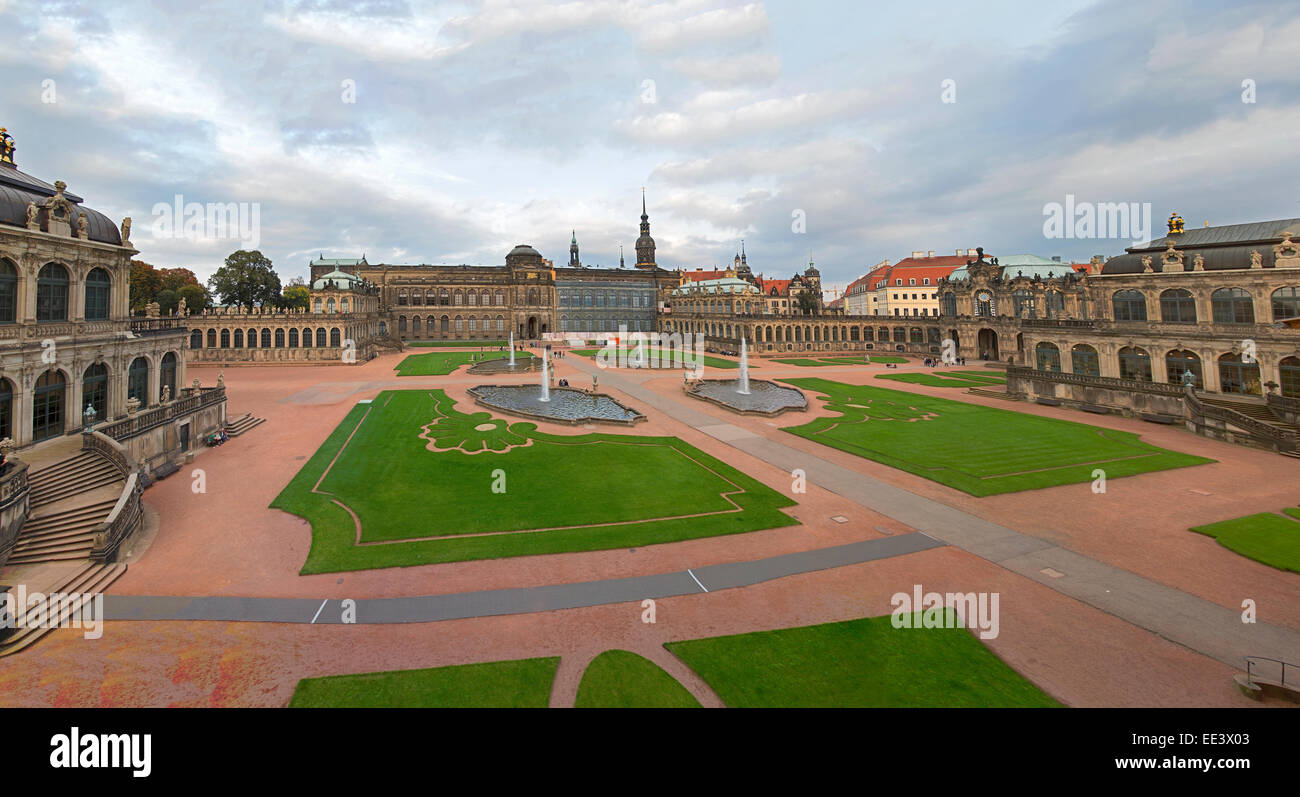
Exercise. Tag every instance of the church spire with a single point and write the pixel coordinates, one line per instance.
(645, 245)
(574, 262)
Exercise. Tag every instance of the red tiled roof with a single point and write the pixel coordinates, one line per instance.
(918, 268)
(699, 275)
(767, 286)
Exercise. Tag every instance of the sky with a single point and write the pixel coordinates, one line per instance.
(844, 132)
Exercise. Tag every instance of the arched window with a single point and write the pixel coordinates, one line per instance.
(1289, 374)
(1129, 305)
(225, 338)
(167, 374)
(949, 302)
(52, 293)
(402, 299)
(1134, 363)
(320, 338)
(1232, 306)
(239, 338)
(501, 324)
(900, 335)
(1047, 357)
(8, 293)
(401, 324)
(48, 404)
(6, 408)
(94, 391)
(212, 338)
(1024, 304)
(1180, 361)
(306, 338)
(383, 328)
(1286, 303)
(915, 335)
(460, 298)
(293, 338)
(196, 339)
(460, 324)
(266, 338)
(1177, 306)
(501, 298)
(415, 325)
(532, 296)
(316, 305)
(329, 305)
(1236, 376)
(279, 338)
(1054, 304)
(336, 339)
(98, 289)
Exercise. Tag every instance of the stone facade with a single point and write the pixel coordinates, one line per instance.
(1210, 302)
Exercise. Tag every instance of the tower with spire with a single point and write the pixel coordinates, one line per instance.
(574, 262)
(645, 245)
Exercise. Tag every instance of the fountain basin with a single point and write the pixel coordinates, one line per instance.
(764, 397)
(566, 405)
(523, 365)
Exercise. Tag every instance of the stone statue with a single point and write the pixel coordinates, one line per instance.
(1146, 264)
(32, 210)
(126, 230)
(221, 379)
(1256, 259)
(181, 309)
(132, 405)
(166, 393)
(195, 384)
(82, 232)
(1198, 262)
(152, 310)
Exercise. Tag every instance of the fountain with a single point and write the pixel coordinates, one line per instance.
(504, 365)
(512, 350)
(743, 387)
(546, 378)
(746, 396)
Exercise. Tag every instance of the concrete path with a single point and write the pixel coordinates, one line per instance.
(1198, 624)
(427, 608)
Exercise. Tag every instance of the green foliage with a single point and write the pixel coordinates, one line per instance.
(1266, 537)
(246, 279)
(437, 363)
(525, 683)
(979, 450)
(622, 679)
(858, 664)
(296, 295)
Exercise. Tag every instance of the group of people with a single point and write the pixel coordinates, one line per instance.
(564, 383)
(218, 437)
(932, 362)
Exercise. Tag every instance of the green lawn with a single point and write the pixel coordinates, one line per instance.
(622, 679)
(501, 684)
(438, 363)
(562, 492)
(857, 663)
(455, 344)
(668, 355)
(840, 360)
(942, 378)
(979, 450)
(1266, 537)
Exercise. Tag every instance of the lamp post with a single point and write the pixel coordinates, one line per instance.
(89, 416)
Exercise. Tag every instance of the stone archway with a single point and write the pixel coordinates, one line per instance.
(988, 344)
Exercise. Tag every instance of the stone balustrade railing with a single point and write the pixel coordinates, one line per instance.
(1114, 383)
(110, 449)
(1284, 439)
(124, 519)
(1284, 403)
(141, 422)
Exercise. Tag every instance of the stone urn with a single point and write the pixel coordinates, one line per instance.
(132, 405)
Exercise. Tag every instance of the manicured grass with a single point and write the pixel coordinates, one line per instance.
(857, 663)
(501, 684)
(1266, 537)
(668, 356)
(455, 344)
(622, 679)
(978, 450)
(562, 492)
(438, 363)
(840, 360)
(947, 378)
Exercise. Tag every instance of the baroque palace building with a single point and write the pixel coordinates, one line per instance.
(69, 350)
(1212, 306)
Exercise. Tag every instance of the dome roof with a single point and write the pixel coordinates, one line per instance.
(524, 249)
(341, 279)
(18, 188)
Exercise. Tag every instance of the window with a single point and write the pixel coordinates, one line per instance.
(1286, 303)
(1177, 306)
(912, 281)
(336, 338)
(1238, 377)
(1047, 357)
(1024, 304)
(320, 337)
(212, 338)
(137, 381)
(1054, 304)
(293, 338)
(1084, 360)
(98, 287)
(266, 338)
(225, 338)
(196, 339)
(52, 293)
(8, 293)
(6, 409)
(926, 281)
(1289, 372)
(1129, 306)
(279, 338)
(94, 390)
(167, 374)
(1135, 364)
(239, 338)
(47, 403)
(1232, 306)
(1180, 361)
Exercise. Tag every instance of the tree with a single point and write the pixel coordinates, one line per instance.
(806, 303)
(296, 295)
(196, 297)
(145, 284)
(246, 279)
(166, 300)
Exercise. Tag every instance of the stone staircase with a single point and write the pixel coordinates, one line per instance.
(69, 498)
(87, 578)
(1250, 409)
(242, 424)
(998, 394)
(79, 473)
(60, 535)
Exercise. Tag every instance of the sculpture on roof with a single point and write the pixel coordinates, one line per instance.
(1256, 259)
